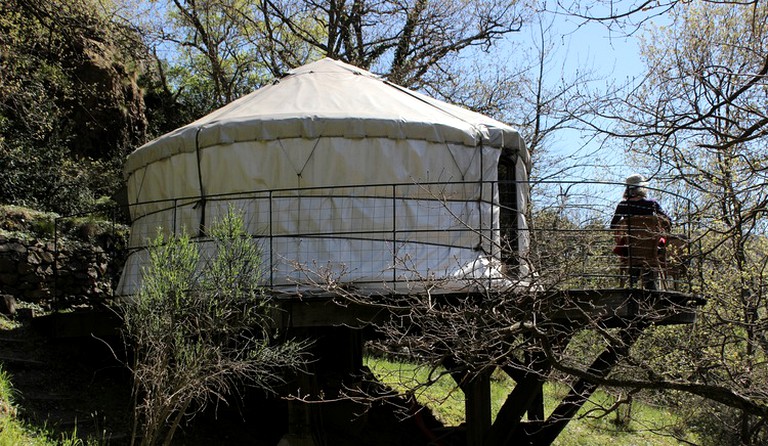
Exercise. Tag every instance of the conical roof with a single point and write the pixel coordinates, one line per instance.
(329, 98)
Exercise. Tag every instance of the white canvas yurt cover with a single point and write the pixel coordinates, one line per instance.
(339, 173)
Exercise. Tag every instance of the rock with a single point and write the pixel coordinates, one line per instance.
(44, 271)
(26, 314)
(33, 257)
(7, 265)
(17, 247)
(7, 305)
(36, 295)
(46, 256)
(32, 269)
(9, 279)
(25, 269)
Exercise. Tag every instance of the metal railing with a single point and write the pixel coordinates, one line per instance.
(573, 246)
(402, 233)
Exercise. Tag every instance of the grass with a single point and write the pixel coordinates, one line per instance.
(594, 426)
(25, 222)
(13, 430)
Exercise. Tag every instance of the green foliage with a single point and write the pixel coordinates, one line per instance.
(69, 109)
(6, 395)
(572, 251)
(47, 178)
(595, 424)
(6, 323)
(200, 326)
(216, 58)
(100, 229)
(166, 111)
(20, 220)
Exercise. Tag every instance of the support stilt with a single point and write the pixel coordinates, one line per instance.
(477, 403)
(582, 389)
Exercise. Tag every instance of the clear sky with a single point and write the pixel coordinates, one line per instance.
(611, 57)
(593, 45)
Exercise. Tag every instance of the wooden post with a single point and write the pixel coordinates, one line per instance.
(582, 389)
(477, 406)
(300, 416)
(477, 400)
(505, 428)
(536, 409)
(527, 396)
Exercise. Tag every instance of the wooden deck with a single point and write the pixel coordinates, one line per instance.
(613, 307)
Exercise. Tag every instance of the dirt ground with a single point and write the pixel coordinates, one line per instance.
(80, 384)
(67, 384)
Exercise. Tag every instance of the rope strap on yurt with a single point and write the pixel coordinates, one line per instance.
(202, 202)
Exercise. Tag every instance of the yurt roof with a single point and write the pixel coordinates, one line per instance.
(329, 98)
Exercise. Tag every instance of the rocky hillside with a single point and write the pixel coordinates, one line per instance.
(48, 262)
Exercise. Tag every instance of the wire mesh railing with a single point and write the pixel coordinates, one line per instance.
(428, 232)
(366, 234)
(575, 247)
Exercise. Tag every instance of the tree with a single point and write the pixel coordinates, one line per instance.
(200, 326)
(215, 58)
(698, 120)
(69, 106)
(412, 43)
(426, 46)
(240, 45)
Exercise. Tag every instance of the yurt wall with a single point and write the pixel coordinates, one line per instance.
(384, 188)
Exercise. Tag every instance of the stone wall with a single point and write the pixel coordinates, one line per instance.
(63, 274)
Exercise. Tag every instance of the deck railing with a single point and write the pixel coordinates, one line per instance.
(573, 244)
(379, 229)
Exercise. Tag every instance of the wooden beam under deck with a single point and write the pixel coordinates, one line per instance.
(613, 307)
(632, 310)
(629, 309)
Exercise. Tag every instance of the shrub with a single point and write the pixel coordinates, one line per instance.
(200, 326)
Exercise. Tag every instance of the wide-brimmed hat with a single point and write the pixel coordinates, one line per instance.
(636, 180)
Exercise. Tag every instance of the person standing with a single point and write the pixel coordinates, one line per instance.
(636, 202)
(640, 261)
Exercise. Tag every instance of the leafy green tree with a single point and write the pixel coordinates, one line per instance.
(698, 121)
(201, 326)
(69, 106)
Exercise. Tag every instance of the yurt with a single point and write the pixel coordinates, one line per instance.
(341, 174)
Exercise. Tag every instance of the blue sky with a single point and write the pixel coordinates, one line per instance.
(611, 57)
(594, 45)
